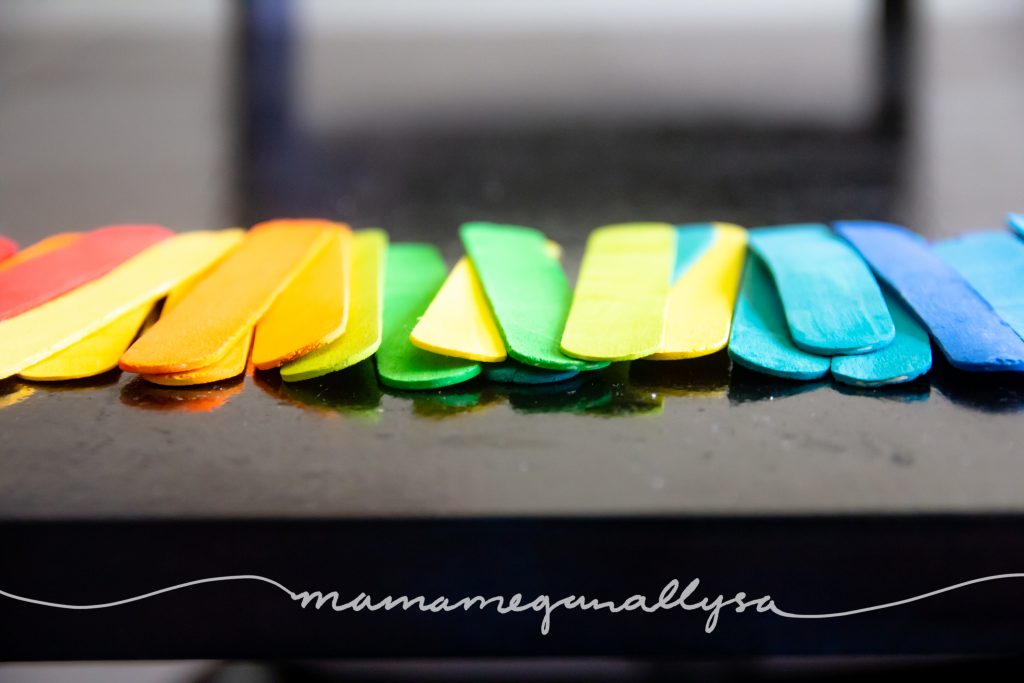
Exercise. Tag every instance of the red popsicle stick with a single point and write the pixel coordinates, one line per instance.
(36, 281)
(7, 247)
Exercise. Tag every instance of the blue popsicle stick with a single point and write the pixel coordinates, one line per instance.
(760, 337)
(908, 356)
(969, 332)
(833, 304)
(1016, 223)
(691, 242)
(992, 263)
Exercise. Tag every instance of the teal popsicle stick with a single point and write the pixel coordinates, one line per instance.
(832, 303)
(760, 337)
(908, 356)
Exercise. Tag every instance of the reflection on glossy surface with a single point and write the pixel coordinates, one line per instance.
(747, 386)
(989, 392)
(13, 392)
(697, 377)
(138, 393)
(353, 391)
(434, 404)
(915, 391)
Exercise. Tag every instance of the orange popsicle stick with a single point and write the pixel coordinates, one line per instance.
(312, 311)
(43, 246)
(226, 305)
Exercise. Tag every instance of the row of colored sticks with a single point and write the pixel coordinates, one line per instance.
(862, 300)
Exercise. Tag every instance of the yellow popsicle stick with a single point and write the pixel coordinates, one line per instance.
(701, 302)
(94, 355)
(618, 308)
(37, 334)
(362, 335)
(226, 304)
(231, 365)
(312, 310)
(43, 246)
(458, 321)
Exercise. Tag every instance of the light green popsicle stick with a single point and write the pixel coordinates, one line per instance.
(618, 310)
(527, 291)
(362, 335)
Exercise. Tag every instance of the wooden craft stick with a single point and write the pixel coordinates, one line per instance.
(43, 246)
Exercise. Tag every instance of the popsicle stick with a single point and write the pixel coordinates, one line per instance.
(908, 356)
(1016, 223)
(526, 289)
(362, 335)
(993, 264)
(760, 336)
(514, 372)
(8, 248)
(93, 355)
(228, 303)
(619, 307)
(692, 242)
(231, 365)
(45, 330)
(831, 300)
(234, 363)
(458, 322)
(312, 311)
(43, 246)
(969, 332)
(36, 281)
(702, 300)
(415, 273)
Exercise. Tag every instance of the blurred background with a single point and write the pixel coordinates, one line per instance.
(416, 116)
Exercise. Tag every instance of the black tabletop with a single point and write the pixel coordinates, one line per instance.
(825, 497)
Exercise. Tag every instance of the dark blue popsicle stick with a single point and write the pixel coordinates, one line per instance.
(760, 337)
(832, 302)
(969, 332)
(993, 264)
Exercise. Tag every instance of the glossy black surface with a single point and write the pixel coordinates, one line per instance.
(340, 480)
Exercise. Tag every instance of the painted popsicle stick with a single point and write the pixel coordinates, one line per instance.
(93, 355)
(234, 363)
(619, 307)
(993, 264)
(362, 335)
(527, 290)
(43, 246)
(8, 248)
(1016, 223)
(692, 242)
(701, 302)
(36, 281)
(760, 337)
(37, 334)
(514, 372)
(458, 322)
(312, 311)
(908, 356)
(228, 302)
(833, 304)
(969, 332)
(415, 273)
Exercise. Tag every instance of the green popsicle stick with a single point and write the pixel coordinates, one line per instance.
(414, 274)
(527, 291)
(363, 334)
(618, 310)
